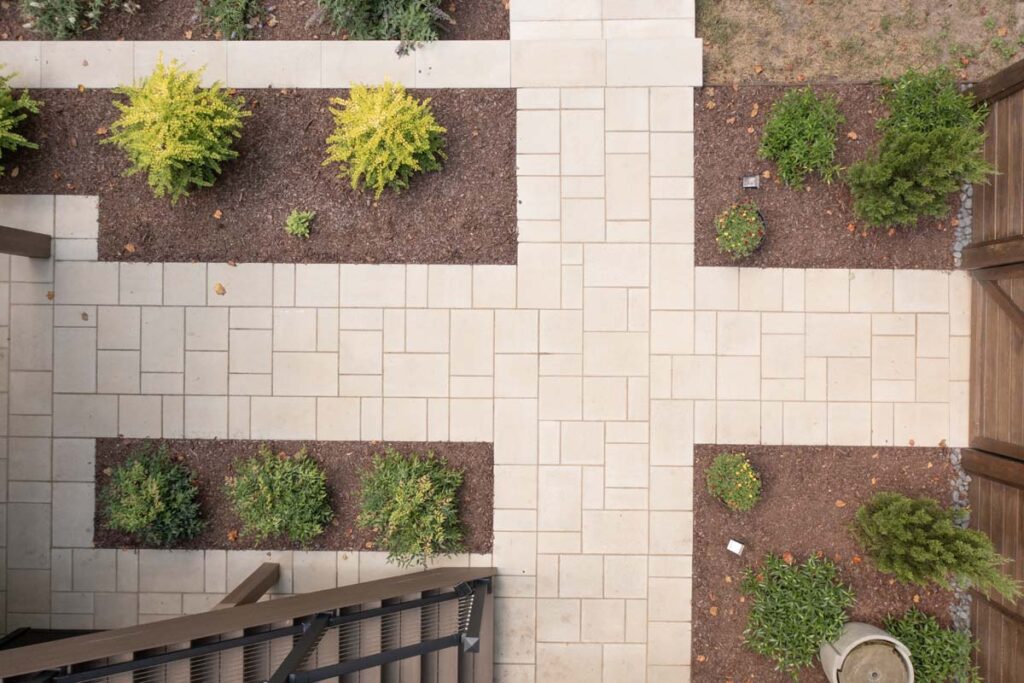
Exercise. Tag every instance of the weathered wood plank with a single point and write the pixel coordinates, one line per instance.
(24, 243)
(1001, 84)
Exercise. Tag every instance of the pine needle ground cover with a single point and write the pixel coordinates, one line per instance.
(809, 499)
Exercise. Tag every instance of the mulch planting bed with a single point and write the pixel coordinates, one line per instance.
(465, 213)
(290, 19)
(343, 462)
(806, 228)
(809, 498)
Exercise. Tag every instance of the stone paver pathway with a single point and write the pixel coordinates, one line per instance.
(593, 365)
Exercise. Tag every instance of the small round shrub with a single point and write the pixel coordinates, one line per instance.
(411, 504)
(939, 655)
(800, 136)
(176, 132)
(299, 223)
(919, 541)
(740, 230)
(64, 19)
(152, 497)
(794, 610)
(280, 495)
(383, 137)
(14, 109)
(734, 481)
(231, 19)
(408, 21)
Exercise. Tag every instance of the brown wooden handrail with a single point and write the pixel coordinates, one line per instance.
(104, 644)
(24, 243)
(1001, 84)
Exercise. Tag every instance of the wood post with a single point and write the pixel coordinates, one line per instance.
(252, 587)
(24, 243)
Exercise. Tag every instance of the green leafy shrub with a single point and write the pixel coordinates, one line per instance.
(939, 655)
(280, 495)
(733, 480)
(800, 136)
(299, 223)
(739, 230)
(411, 503)
(932, 142)
(383, 137)
(408, 21)
(231, 19)
(14, 109)
(176, 132)
(153, 497)
(794, 610)
(919, 541)
(63, 19)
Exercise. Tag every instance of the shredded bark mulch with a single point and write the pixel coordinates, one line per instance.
(343, 461)
(809, 498)
(464, 214)
(808, 228)
(291, 19)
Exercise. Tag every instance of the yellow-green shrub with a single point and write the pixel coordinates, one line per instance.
(382, 137)
(14, 109)
(176, 132)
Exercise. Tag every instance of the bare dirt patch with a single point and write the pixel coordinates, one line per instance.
(343, 461)
(809, 499)
(781, 41)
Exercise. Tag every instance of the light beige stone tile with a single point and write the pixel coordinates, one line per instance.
(539, 282)
(782, 356)
(613, 532)
(625, 576)
(672, 279)
(463, 64)
(849, 424)
(605, 309)
(892, 357)
(838, 334)
(537, 132)
(558, 620)
(515, 376)
(694, 377)
(559, 498)
(805, 423)
(816, 379)
(760, 289)
(616, 265)
(849, 379)
(739, 334)
(100, 64)
(671, 533)
(370, 62)
(672, 154)
(615, 353)
(604, 621)
(627, 187)
(582, 142)
(920, 291)
(450, 286)
(654, 61)
(210, 56)
(494, 287)
(545, 63)
(337, 419)
(140, 416)
(668, 643)
(933, 379)
(515, 431)
(871, 291)
(672, 424)
(251, 351)
(959, 358)
(960, 303)
(672, 109)
(924, 424)
(739, 378)
(23, 60)
(561, 398)
(284, 418)
(933, 339)
(84, 415)
(30, 393)
(827, 290)
(626, 465)
(206, 417)
(360, 352)
(672, 220)
(305, 374)
(627, 108)
(605, 398)
(206, 372)
(368, 286)
(472, 419)
(514, 631)
(284, 64)
(581, 576)
(568, 662)
(900, 391)
(415, 375)
(515, 331)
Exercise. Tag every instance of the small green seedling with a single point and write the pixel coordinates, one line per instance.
(299, 223)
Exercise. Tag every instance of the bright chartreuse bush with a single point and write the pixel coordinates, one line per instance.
(919, 541)
(739, 230)
(178, 133)
(939, 655)
(231, 19)
(734, 481)
(794, 610)
(14, 110)
(299, 223)
(152, 497)
(411, 504)
(408, 21)
(383, 137)
(800, 136)
(280, 495)
(932, 142)
(63, 19)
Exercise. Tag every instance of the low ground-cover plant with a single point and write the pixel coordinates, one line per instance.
(63, 19)
(411, 504)
(178, 133)
(794, 610)
(383, 136)
(280, 495)
(739, 230)
(299, 223)
(734, 481)
(14, 109)
(939, 655)
(153, 497)
(919, 541)
(932, 142)
(231, 19)
(800, 136)
(408, 21)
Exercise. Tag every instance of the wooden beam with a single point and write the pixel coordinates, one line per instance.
(1001, 448)
(252, 587)
(24, 243)
(1003, 300)
(1002, 84)
(994, 253)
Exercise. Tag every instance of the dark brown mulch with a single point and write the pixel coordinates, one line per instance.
(465, 213)
(343, 461)
(293, 20)
(799, 512)
(805, 228)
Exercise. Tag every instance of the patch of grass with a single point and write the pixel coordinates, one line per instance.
(712, 25)
(1004, 48)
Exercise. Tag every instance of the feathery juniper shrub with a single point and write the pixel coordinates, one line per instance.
(299, 223)
(231, 19)
(152, 497)
(277, 495)
(383, 137)
(411, 504)
(794, 610)
(178, 133)
(919, 541)
(64, 19)
(14, 109)
(939, 655)
(408, 21)
(739, 230)
(800, 136)
(734, 481)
